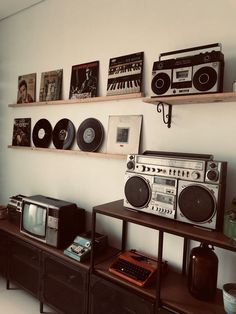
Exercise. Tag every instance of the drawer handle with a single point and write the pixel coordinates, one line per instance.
(71, 278)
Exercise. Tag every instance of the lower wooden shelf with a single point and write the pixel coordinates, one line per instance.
(174, 292)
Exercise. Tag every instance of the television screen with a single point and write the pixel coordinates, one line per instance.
(34, 219)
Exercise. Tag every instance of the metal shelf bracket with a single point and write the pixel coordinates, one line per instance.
(165, 117)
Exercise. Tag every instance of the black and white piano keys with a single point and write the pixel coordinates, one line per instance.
(124, 85)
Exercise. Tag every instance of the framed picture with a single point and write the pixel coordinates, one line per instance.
(26, 88)
(124, 134)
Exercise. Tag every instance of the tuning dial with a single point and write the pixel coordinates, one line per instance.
(195, 175)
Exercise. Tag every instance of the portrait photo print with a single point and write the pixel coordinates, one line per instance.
(26, 88)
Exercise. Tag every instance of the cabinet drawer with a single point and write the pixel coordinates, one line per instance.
(105, 296)
(3, 253)
(65, 274)
(62, 298)
(25, 253)
(24, 275)
(64, 287)
(24, 265)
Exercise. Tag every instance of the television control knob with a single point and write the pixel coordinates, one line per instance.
(195, 175)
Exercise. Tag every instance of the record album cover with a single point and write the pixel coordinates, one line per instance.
(84, 80)
(125, 74)
(21, 132)
(26, 88)
(124, 134)
(51, 85)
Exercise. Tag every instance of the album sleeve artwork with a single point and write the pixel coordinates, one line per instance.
(26, 88)
(21, 132)
(84, 80)
(125, 74)
(50, 86)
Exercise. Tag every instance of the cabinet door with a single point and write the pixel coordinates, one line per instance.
(65, 287)
(106, 298)
(24, 265)
(3, 253)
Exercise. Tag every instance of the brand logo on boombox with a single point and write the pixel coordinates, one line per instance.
(200, 73)
(190, 190)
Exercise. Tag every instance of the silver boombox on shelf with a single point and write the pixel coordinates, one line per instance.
(181, 186)
(200, 73)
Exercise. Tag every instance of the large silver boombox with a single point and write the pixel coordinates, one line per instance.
(199, 73)
(180, 187)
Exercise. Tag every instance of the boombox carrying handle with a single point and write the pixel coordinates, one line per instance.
(189, 49)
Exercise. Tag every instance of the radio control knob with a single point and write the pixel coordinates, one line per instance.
(195, 175)
(130, 165)
(212, 175)
(212, 165)
(143, 168)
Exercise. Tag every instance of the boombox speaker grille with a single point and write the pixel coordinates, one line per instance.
(160, 83)
(137, 191)
(196, 203)
(204, 79)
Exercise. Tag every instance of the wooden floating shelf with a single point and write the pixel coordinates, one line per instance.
(77, 152)
(192, 99)
(79, 101)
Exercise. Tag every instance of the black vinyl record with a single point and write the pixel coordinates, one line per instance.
(63, 134)
(42, 133)
(90, 135)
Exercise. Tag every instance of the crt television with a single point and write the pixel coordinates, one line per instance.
(52, 221)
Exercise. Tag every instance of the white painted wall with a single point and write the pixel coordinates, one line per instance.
(58, 34)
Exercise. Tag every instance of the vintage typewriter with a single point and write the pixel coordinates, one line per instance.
(135, 267)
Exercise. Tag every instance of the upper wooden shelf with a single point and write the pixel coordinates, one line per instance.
(78, 101)
(117, 210)
(192, 99)
(70, 151)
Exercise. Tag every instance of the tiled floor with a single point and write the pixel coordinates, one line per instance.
(17, 301)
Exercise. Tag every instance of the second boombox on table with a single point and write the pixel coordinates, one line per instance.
(184, 187)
